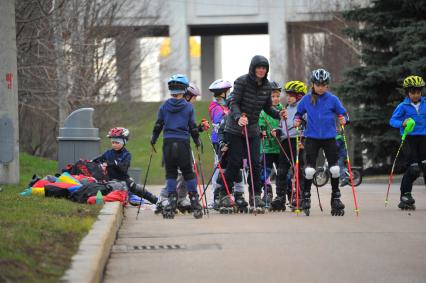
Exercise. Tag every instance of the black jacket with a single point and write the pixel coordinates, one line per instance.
(250, 97)
(118, 163)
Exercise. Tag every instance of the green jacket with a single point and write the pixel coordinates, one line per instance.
(271, 145)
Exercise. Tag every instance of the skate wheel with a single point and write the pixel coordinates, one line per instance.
(337, 212)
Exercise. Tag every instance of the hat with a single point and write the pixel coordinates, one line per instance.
(118, 140)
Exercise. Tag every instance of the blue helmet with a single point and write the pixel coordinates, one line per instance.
(178, 84)
(320, 76)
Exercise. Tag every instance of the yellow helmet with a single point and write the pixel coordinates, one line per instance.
(295, 86)
(413, 82)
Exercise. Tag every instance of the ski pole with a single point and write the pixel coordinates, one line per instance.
(146, 177)
(289, 142)
(218, 166)
(350, 170)
(249, 160)
(228, 192)
(296, 173)
(408, 129)
(264, 170)
(208, 183)
(198, 181)
(276, 139)
(202, 177)
(297, 184)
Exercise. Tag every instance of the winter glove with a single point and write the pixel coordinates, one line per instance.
(205, 125)
(223, 147)
(197, 142)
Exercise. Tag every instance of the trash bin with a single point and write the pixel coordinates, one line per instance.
(78, 139)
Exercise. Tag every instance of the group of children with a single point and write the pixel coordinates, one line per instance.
(252, 130)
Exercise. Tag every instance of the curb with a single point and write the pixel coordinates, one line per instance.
(89, 263)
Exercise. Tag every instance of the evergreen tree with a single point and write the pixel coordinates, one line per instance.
(392, 38)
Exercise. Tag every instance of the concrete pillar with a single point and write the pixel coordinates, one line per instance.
(9, 121)
(211, 64)
(179, 39)
(277, 29)
(296, 69)
(129, 59)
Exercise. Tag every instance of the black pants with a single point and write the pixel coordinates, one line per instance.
(312, 147)
(284, 165)
(414, 150)
(236, 152)
(177, 154)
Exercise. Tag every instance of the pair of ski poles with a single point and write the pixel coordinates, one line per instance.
(218, 166)
(296, 186)
(153, 150)
(245, 133)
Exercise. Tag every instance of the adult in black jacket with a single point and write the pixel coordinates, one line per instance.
(251, 95)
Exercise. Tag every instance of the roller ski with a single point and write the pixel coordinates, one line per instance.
(184, 205)
(225, 206)
(337, 207)
(258, 206)
(407, 202)
(162, 201)
(169, 209)
(278, 204)
(241, 205)
(305, 204)
(195, 205)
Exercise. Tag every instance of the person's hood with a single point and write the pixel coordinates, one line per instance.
(258, 60)
(174, 105)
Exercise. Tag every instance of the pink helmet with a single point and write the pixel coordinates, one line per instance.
(193, 90)
(219, 86)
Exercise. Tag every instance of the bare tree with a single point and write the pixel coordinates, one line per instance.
(67, 59)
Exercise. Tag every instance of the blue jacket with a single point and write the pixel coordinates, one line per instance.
(178, 118)
(404, 111)
(118, 162)
(321, 122)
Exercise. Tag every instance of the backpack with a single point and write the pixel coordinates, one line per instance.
(88, 168)
(91, 189)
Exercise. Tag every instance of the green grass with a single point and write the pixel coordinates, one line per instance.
(38, 235)
(139, 118)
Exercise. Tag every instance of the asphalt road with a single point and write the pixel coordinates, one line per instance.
(380, 245)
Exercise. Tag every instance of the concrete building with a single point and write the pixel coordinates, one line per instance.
(285, 21)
